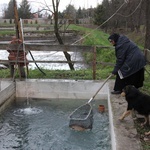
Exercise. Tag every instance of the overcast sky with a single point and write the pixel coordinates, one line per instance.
(63, 3)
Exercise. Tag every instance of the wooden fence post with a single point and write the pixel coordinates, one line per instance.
(147, 55)
(94, 63)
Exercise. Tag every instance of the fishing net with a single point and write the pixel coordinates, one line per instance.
(82, 117)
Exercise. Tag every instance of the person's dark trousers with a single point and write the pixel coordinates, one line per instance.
(135, 79)
(119, 84)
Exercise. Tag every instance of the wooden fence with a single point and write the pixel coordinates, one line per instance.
(61, 48)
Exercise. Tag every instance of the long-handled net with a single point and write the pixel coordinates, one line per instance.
(83, 115)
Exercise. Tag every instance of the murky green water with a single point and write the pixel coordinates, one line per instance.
(44, 126)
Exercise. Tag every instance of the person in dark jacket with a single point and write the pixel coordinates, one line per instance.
(130, 62)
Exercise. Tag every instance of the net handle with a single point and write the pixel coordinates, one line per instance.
(100, 88)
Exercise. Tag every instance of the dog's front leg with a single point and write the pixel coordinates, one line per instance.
(147, 133)
(146, 122)
(125, 114)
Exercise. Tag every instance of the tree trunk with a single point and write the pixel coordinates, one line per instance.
(67, 55)
(139, 19)
(147, 35)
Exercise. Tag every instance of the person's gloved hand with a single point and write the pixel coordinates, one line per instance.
(113, 74)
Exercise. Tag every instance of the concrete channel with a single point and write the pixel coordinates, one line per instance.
(123, 134)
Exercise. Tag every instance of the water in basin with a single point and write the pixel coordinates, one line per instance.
(44, 126)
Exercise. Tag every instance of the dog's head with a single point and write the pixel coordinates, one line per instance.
(130, 91)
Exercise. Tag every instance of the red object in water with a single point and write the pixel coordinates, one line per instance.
(101, 108)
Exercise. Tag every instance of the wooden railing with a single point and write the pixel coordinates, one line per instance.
(60, 48)
(50, 48)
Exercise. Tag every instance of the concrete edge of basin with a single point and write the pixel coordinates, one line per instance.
(124, 132)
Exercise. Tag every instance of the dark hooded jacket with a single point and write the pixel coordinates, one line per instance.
(130, 58)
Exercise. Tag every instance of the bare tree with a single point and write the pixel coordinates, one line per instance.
(3, 9)
(55, 13)
(147, 39)
(56, 30)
